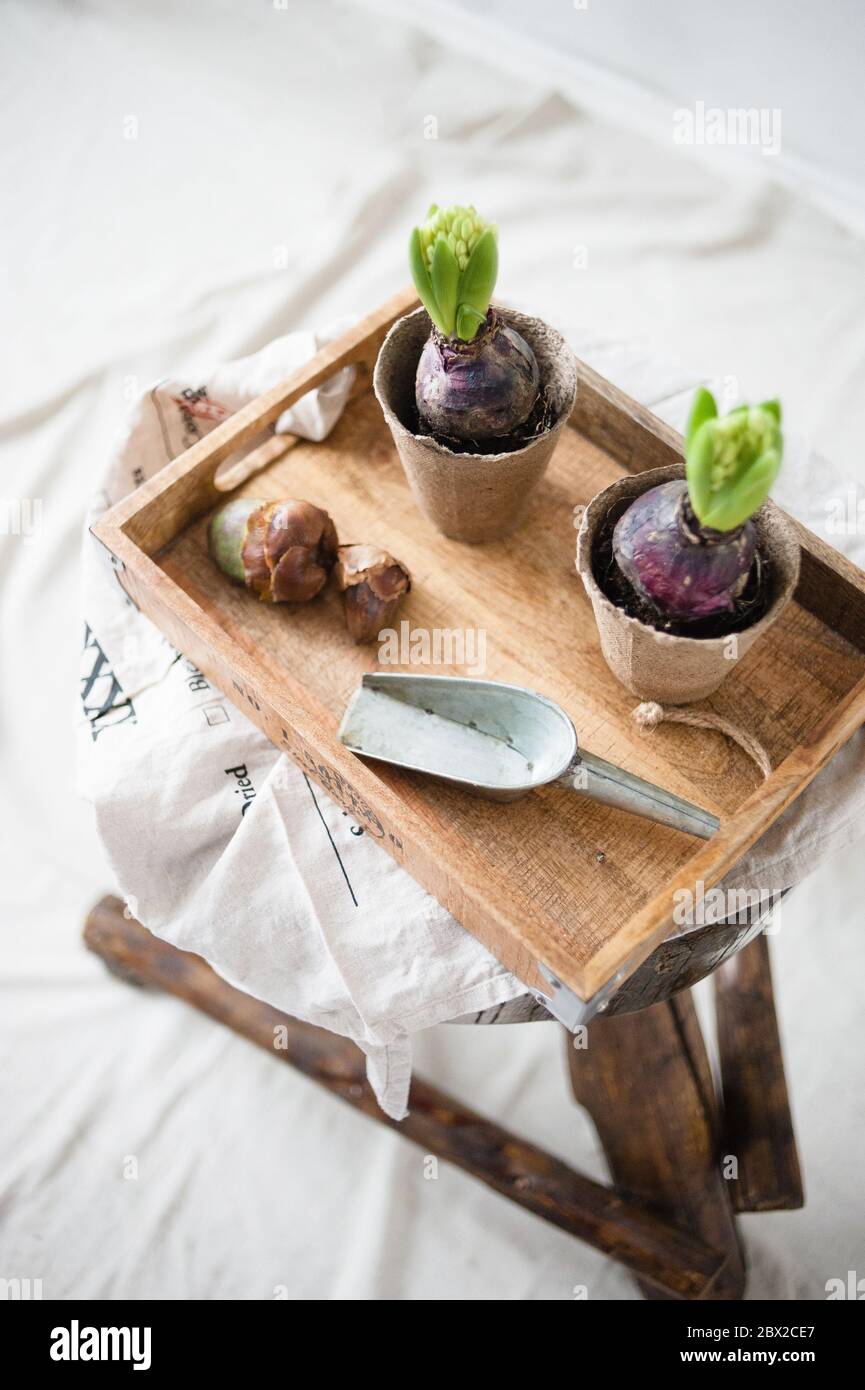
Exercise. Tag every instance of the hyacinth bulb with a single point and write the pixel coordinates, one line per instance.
(282, 551)
(687, 547)
(373, 584)
(683, 575)
(477, 378)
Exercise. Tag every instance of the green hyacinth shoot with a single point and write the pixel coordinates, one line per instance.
(731, 461)
(454, 261)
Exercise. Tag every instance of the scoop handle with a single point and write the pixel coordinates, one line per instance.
(602, 781)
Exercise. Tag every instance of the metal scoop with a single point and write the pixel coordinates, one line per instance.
(496, 741)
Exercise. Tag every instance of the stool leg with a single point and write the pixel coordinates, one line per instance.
(649, 1245)
(758, 1127)
(646, 1082)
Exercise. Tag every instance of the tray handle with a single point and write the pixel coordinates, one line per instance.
(151, 516)
(232, 472)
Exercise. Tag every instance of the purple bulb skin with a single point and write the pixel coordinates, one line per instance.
(686, 573)
(480, 390)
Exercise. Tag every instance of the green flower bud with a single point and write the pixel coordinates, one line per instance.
(455, 283)
(731, 461)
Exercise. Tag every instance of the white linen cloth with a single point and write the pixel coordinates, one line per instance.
(220, 844)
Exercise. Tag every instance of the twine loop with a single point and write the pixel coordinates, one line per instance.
(650, 714)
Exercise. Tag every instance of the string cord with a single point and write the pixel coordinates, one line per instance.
(650, 714)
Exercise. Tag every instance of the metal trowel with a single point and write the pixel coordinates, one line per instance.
(497, 741)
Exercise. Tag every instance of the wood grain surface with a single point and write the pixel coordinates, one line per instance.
(646, 1081)
(758, 1126)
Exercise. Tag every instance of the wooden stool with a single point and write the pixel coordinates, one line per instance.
(683, 1160)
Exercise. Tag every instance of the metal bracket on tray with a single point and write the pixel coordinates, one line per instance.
(568, 1007)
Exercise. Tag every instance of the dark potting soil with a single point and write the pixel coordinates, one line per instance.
(541, 419)
(750, 605)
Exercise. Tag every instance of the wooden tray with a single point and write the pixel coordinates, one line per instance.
(553, 885)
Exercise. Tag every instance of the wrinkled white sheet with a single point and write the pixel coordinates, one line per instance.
(279, 158)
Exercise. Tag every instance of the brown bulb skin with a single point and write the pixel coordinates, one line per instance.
(283, 551)
(373, 584)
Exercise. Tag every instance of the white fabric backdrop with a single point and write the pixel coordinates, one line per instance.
(188, 183)
(639, 63)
